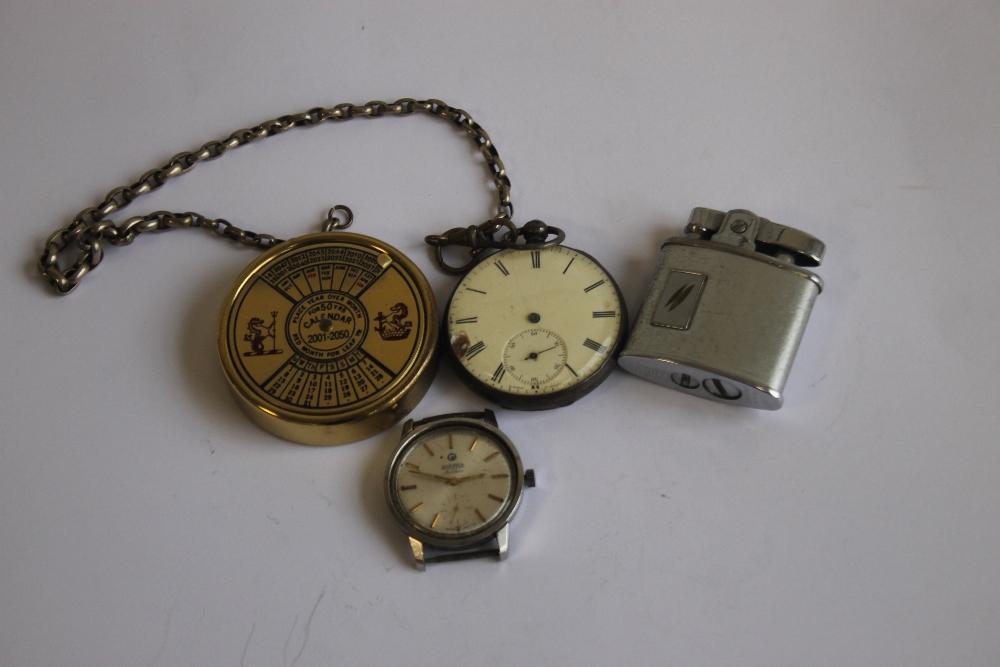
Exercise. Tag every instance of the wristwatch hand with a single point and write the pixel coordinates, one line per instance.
(466, 479)
(449, 480)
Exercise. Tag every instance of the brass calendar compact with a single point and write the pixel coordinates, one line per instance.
(325, 339)
(329, 338)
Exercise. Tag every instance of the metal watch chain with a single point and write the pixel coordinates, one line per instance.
(90, 227)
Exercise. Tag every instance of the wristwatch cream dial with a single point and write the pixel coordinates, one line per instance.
(557, 304)
(454, 481)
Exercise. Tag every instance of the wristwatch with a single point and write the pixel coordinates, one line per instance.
(453, 484)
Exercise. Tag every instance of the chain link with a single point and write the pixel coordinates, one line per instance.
(90, 228)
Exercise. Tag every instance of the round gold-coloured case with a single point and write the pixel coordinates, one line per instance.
(329, 338)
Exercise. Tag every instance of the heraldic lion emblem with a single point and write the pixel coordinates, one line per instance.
(392, 326)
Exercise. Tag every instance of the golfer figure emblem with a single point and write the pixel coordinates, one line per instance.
(257, 333)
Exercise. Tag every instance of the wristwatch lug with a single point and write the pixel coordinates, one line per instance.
(418, 553)
(489, 416)
(407, 427)
(503, 536)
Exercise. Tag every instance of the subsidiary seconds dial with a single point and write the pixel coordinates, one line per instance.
(534, 357)
(535, 329)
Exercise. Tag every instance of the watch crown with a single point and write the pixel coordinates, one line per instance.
(529, 478)
(535, 231)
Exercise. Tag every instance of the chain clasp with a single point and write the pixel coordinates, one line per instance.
(478, 238)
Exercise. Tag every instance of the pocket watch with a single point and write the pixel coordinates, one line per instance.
(535, 325)
(453, 484)
(325, 339)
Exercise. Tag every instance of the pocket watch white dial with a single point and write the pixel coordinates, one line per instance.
(535, 329)
(453, 484)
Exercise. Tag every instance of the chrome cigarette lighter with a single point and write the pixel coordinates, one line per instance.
(726, 309)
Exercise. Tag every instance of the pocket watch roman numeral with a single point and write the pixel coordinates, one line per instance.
(601, 313)
(499, 373)
(471, 320)
(475, 349)
(595, 346)
(536, 259)
(569, 265)
(503, 269)
(594, 286)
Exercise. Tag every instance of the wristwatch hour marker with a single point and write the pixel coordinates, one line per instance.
(435, 521)
(594, 286)
(536, 259)
(595, 346)
(412, 466)
(480, 515)
(492, 456)
(500, 476)
(408, 487)
(475, 349)
(503, 269)
(473, 445)
(496, 498)
(428, 448)
(471, 320)
(416, 507)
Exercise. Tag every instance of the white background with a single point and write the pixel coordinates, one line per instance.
(145, 521)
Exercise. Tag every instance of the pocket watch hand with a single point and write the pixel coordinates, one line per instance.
(534, 355)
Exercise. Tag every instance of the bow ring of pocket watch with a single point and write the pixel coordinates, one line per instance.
(333, 337)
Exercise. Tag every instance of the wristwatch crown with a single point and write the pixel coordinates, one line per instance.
(529, 478)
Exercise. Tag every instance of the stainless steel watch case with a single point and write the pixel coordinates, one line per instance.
(473, 544)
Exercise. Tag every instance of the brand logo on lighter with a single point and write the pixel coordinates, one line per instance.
(681, 291)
